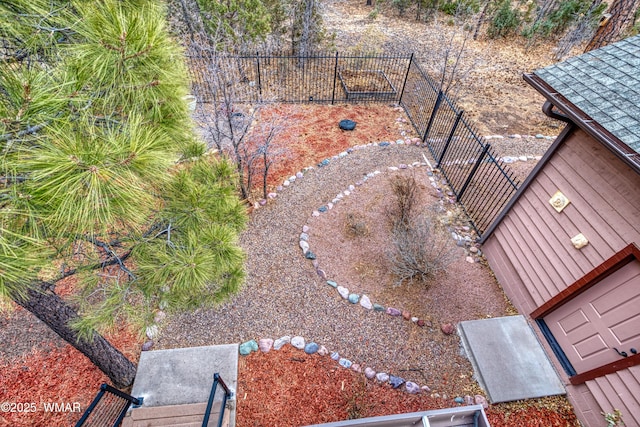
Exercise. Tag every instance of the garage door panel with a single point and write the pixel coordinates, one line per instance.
(573, 321)
(619, 296)
(604, 316)
(590, 346)
(627, 331)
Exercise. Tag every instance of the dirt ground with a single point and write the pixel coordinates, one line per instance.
(488, 81)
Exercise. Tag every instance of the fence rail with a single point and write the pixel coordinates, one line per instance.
(481, 182)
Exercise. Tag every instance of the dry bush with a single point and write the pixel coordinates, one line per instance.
(355, 225)
(418, 253)
(405, 189)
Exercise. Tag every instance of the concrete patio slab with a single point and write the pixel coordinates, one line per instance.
(185, 375)
(508, 360)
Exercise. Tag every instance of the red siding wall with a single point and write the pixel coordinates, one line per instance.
(533, 258)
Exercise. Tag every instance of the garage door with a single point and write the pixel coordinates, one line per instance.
(604, 317)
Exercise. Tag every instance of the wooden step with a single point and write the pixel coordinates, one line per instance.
(190, 415)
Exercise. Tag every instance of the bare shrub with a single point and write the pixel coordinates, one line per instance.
(405, 189)
(418, 253)
(355, 225)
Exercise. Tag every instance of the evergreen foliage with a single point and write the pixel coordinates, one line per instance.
(102, 175)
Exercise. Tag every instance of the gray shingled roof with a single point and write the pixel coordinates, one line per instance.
(604, 84)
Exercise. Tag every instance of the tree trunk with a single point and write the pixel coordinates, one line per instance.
(47, 306)
(613, 23)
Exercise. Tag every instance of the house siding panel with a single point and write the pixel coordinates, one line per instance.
(532, 256)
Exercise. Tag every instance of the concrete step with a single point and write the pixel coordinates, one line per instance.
(508, 361)
(175, 385)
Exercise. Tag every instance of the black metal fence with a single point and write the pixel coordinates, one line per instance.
(296, 79)
(481, 182)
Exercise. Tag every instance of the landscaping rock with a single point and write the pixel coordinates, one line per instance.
(310, 255)
(322, 351)
(406, 315)
(248, 347)
(345, 363)
(148, 345)
(280, 342)
(335, 355)
(356, 368)
(378, 307)
(481, 400)
(393, 311)
(369, 373)
(304, 246)
(382, 377)
(412, 388)
(459, 400)
(298, 342)
(265, 345)
(354, 298)
(304, 236)
(299, 175)
(425, 388)
(332, 283)
(366, 302)
(347, 124)
(321, 273)
(311, 348)
(305, 228)
(323, 209)
(395, 381)
(448, 328)
(420, 323)
(468, 400)
(344, 292)
(152, 331)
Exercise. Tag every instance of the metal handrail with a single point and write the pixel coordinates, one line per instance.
(227, 394)
(106, 388)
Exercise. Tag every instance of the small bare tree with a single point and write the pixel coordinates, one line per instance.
(418, 253)
(450, 63)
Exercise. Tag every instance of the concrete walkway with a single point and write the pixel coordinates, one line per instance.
(508, 360)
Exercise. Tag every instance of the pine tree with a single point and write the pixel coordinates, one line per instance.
(613, 23)
(102, 177)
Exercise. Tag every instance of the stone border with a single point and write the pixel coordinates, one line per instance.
(265, 345)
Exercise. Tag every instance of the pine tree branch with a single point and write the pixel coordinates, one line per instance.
(112, 254)
(28, 131)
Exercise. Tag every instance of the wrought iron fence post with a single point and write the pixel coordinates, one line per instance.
(473, 172)
(335, 76)
(433, 115)
(259, 80)
(406, 76)
(450, 138)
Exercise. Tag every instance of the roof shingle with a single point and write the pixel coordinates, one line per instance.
(604, 84)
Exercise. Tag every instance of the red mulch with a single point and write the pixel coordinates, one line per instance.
(289, 388)
(310, 133)
(55, 375)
